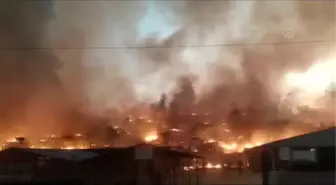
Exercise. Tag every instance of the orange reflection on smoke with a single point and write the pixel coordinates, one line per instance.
(229, 147)
(151, 137)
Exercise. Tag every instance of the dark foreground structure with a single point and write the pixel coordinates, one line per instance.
(301, 160)
(141, 164)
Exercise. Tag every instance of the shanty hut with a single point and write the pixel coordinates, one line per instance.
(304, 159)
(109, 166)
(140, 164)
(36, 165)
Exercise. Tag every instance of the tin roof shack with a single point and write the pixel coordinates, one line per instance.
(109, 166)
(32, 165)
(140, 164)
(171, 163)
(146, 164)
(305, 159)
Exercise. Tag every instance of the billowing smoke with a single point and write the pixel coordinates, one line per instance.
(251, 77)
(196, 52)
(31, 91)
(150, 50)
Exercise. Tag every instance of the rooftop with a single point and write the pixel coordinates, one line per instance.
(84, 154)
(70, 155)
(321, 138)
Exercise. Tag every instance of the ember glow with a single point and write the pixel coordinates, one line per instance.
(82, 141)
(207, 166)
(151, 137)
(234, 147)
(69, 148)
(12, 140)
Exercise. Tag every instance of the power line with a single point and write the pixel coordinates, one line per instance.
(169, 47)
(170, 0)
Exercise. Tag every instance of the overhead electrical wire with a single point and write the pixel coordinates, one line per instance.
(171, 47)
(172, 0)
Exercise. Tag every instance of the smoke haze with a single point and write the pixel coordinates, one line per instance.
(105, 69)
(31, 92)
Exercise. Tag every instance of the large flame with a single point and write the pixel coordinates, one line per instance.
(150, 137)
(314, 82)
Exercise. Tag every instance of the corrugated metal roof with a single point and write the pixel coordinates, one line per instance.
(171, 150)
(70, 155)
(322, 138)
(80, 155)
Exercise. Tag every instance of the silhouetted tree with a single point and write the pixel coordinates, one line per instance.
(162, 103)
(182, 101)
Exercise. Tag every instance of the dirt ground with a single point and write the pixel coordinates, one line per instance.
(230, 177)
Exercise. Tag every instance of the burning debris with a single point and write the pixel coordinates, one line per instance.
(207, 166)
(229, 98)
(204, 147)
(151, 137)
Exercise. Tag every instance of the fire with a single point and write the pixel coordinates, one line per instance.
(218, 166)
(207, 166)
(235, 147)
(230, 144)
(74, 147)
(258, 143)
(230, 147)
(12, 140)
(78, 135)
(69, 148)
(316, 79)
(248, 146)
(151, 137)
(312, 83)
(175, 130)
(210, 141)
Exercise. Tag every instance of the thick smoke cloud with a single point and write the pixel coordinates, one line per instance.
(248, 78)
(107, 73)
(253, 97)
(31, 92)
